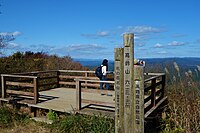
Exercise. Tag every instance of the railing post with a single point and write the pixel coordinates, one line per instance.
(3, 87)
(36, 94)
(153, 92)
(78, 95)
(58, 79)
(163, 85)
(86, 75)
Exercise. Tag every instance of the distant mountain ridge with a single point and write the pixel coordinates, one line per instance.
(185, 62)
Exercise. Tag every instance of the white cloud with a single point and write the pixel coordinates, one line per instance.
(162, 52)
(142, 29)
(41, 47)
(142, 48)
(13, 45)
(175, 43)
(75, 50)
(140, 44)
(158, 45)
(16, 33)
(97, 35)
(84, 47)
(140, 32)
(82, 51)
(136, 37)
(103, 33)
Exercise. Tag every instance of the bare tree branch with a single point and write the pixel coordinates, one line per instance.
(5, 39)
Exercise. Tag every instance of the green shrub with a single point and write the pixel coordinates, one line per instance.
(5, 117)
(51, 115)
(100, 124)
(83, 124)
(9, 117)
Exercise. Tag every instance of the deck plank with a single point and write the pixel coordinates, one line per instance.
(64, 100)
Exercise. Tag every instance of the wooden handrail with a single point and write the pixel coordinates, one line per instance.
(18, 76)
(78, 71)
(79, 81)
(151, 78)
(93, 81)
(35, 72)
(154, 74)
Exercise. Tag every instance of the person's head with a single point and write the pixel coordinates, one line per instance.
(142, 63)
(105, 62)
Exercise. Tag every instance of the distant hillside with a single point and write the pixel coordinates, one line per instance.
(184, 63)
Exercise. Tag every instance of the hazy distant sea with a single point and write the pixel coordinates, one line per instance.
(185, 63)
(93, 63)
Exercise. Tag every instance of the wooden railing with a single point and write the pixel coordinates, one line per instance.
(153, 91)
(21, 82)
(66, 78)
(29, 84)
(79, 90)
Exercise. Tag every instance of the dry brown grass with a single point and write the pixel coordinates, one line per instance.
(183, 112)
(31, 127)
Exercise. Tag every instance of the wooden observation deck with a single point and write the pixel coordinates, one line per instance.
(74, 91)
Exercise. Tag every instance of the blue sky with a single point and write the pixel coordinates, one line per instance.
(93, 28)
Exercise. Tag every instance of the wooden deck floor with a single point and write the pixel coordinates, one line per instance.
(64, 100)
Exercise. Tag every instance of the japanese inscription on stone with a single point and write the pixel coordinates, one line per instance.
(137, 102)
(117, 86)
(127, 85)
